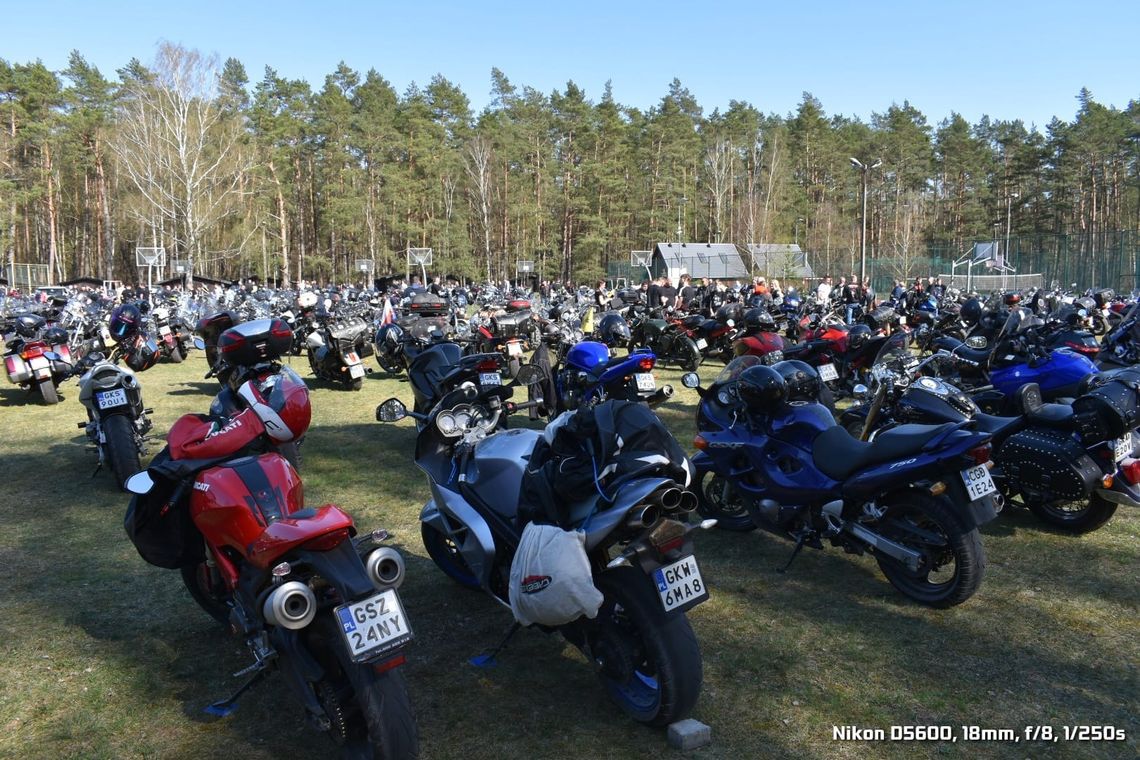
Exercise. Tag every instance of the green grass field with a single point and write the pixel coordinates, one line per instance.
(104, 656)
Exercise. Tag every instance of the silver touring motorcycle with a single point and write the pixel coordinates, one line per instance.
(611, 473)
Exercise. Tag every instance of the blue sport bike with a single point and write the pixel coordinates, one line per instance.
(771, 456)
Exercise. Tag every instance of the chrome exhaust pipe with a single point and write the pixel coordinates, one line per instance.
(663, 394)
(643, 516)
(385, 567)
(688, 502)
(291, 605)
(669, 499)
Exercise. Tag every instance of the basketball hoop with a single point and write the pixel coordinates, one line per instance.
(151, 258)
(421, 257)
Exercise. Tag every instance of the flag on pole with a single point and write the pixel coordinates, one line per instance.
(388, 315)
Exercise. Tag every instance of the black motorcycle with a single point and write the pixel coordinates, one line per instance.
(336, 349)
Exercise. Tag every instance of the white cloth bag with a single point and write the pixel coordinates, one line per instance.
(551, 583)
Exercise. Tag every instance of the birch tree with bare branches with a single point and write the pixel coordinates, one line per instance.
(180, 151)
(479, 170)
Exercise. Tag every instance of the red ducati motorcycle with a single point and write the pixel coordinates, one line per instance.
(309, 596)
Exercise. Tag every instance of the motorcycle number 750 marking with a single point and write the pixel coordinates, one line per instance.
(373, 625)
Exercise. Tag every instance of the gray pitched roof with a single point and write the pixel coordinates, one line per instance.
(780, 260)
(716, 260)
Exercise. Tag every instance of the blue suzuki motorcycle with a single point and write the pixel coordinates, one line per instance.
(771, 456)
(590, 375)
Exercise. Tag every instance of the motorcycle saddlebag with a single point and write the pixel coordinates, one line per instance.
(880, 317)
(160, 527)
(510, 325)
(1111, 409)
(1048, 462)
(1104, 297)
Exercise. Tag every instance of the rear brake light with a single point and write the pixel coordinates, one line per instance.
(488, 366)
(328, 541)
(980, 454)
(667, 536)
(646, 364)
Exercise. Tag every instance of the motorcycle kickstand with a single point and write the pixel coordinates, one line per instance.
(488, 660)
(225, 707)
(800, 541)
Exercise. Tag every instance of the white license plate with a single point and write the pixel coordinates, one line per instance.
(164, 330)
(111, 399)
(680, 584)
(373, 625)
(356, 370)
(1122, 448)
(490, 378)
(702, 344)
(645, 381)
(514, 348)
(978, 482)
(827, 373)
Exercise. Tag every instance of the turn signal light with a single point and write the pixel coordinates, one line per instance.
(938, 489)
(700, 442)
(1107, 481)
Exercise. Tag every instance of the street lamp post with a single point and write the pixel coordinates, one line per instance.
(864, 168)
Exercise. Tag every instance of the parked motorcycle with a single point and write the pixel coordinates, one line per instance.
(336, 348)
(668, 342)
(773, 457)
(308, 595)
(174, 338)
(37, 356)
(590, 375)
(631, 514)
(117, 422)
(1042, 460)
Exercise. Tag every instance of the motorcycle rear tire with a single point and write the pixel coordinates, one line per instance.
(176, 354)
(48, 392)
(205, 586)
(929, 514)
(447, 558)
(664, 683)
(356, 383)
(1095, 513)
(376, 711)
(121, 449)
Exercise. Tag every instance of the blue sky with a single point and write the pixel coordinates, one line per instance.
(1009, 59)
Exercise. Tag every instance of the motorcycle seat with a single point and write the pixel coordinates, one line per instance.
(998, 427)
(838, 455)
(1052, 416)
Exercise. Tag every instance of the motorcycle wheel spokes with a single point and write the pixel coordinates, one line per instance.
(1075, 516)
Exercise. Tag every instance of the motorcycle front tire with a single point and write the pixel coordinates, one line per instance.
(687, 353)
(662, 686)
(120, 449)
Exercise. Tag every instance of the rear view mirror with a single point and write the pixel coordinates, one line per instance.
(859, 392)
(690, 380)
(199, 344)
(392, 410)
(530, 374)
(977, 341)
(140, 483)
(52, 356)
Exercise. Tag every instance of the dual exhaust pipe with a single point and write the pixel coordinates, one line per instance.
(293, 604)
(658, 504)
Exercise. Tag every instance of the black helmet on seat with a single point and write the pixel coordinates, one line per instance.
(858, 336)
(971, 311)
(759, 320)
(762, 389)
(801, 379)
